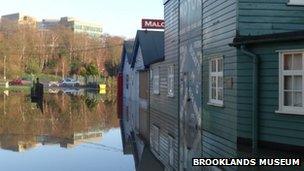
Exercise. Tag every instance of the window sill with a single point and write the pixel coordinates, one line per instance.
(289, 112)
(156, 93)
(215, 104)
(170, 96)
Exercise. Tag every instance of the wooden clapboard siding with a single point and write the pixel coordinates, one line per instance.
(164, 114)
(134, 102)
(256, 17)
(273, 127)
(219, 134)
(164, 109)
(268, 16)
(222, 21)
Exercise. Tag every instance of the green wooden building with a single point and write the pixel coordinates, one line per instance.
(252, 76)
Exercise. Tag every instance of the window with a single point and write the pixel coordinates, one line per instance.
(151, 74)
(296, 2)
(216, 93)
(291, 84)
(155, 138)
(155, 80)
(127, 82)
(171, 81)
(171, 151)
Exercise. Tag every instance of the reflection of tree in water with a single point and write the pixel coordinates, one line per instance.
(63, 117)
(92, 100)
(91, 103)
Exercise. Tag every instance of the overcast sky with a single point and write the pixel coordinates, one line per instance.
(118, 17)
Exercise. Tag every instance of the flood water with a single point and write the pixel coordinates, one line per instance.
(66, 131)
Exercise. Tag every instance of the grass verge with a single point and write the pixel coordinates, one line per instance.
(24, 89)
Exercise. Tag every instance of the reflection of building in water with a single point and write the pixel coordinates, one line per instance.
(126, 139)
(80, 138)
(60, 124)
(16, 143)
(132, 145)
(19, 143)
(72, 140)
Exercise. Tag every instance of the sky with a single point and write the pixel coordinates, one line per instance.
(117, 17)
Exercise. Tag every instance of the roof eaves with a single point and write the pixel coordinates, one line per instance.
(277, 37)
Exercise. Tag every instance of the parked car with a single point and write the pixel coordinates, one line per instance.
(17, 81)
(69, 82)
(54, 84)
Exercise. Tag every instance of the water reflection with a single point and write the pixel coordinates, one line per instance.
(134, 145)
(67, 119)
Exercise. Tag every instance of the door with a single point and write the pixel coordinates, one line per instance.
(144, 104)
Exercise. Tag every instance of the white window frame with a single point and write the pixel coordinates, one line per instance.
(296, 2)
(170, 81)
(151, 74)
(289, 109)
(156, 81)
(217, 74)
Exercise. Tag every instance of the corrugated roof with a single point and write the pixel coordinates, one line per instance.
(126, 51)
(152, 46)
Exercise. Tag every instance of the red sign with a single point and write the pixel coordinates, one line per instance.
(152, 24)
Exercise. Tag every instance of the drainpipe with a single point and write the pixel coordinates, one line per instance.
(255, 59)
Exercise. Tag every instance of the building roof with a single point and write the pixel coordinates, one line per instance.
(127, 50)
(276, 37)
(152, 46)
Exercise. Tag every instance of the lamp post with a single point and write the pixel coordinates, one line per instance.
(4, 68)
(4, 72)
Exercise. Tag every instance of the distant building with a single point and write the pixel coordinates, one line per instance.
(77, 26)
(47, 24)
(92, 29)
(19, 18)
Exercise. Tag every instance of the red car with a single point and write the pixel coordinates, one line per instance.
(16, 82)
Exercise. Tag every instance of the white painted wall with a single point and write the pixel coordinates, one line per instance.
(126, 71)
(126, 96)
(139, 65)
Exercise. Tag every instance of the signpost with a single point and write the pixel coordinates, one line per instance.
(152, 24)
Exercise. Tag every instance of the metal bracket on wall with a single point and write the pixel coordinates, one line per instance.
(229, 82)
